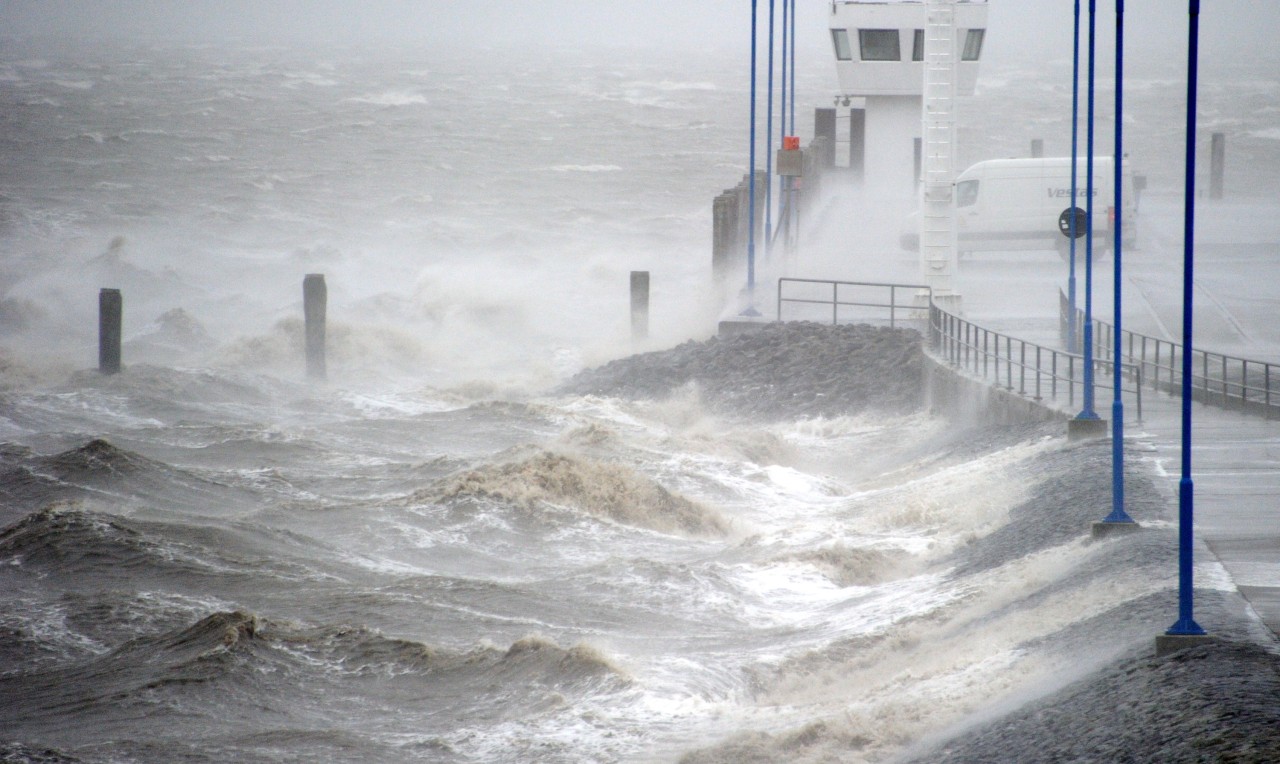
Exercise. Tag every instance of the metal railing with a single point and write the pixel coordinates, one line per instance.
(918, 297)
(1029, 369)
(1038, 372)
(1217, 379)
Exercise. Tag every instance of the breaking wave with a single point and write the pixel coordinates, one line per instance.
(604, 490)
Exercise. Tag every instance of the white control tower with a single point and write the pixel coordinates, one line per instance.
(880, 48)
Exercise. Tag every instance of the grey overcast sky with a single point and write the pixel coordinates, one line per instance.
(1018, 27)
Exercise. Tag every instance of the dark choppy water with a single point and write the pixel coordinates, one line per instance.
(432, 558)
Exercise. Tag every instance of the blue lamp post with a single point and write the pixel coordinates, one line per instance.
(768, 144)
(1186, 624)
(1075, 194)
(1087, 413)
(1118, 515)
(751, 182)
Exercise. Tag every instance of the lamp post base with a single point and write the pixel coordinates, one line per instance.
(1167, 644)
(1087, 429)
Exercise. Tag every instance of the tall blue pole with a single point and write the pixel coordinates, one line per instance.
(793, 67)
(1075, 194)
(784, 207)
(1118, 515)
(768, 143)
(1186, 488)
(751, 181)
(1088, 412)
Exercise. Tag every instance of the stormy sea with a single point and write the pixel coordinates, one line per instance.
(502, 530)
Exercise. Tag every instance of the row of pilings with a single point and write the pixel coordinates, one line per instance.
(314, 309)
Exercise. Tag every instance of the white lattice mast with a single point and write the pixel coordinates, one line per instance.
(937, 205)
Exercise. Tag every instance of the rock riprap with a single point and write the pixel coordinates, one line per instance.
(776, 371)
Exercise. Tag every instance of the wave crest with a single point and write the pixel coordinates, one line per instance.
(597, 488)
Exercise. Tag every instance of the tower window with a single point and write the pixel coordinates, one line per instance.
(841, 39)
(972, 45)
(879, 45)
(917, 46)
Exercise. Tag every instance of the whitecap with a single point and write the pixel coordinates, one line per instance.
(392, 98)
(586, 168)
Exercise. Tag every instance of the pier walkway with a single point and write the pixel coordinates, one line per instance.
(1236, 455)
(1235, 464)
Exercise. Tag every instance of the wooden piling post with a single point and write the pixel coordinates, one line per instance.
(110, 325)
(1037, 148)
(314, 301)
(639, 305)
(722, 225)
(1217, 161)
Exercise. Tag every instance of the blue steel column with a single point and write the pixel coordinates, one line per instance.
(784, 185)
(793, 68)
(794, 183)
(768, 143)
(1072, 345)
(1088, 412)
(1118, 515)
(1186, 488)
(751, 182)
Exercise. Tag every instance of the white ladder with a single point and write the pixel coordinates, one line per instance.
(937, 204)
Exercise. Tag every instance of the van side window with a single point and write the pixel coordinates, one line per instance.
(966, 193)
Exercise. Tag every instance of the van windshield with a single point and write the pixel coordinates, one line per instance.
(966, 193)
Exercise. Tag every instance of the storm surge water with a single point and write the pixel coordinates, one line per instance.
(479, 541)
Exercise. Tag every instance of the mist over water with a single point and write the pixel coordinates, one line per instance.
(442, 554)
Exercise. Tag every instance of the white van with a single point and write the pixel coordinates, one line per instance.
(1015, 204)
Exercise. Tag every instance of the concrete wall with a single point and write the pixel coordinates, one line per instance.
(959, 397)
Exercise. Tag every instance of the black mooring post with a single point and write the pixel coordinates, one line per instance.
(110, 322)
(639, 305)
(314, 298)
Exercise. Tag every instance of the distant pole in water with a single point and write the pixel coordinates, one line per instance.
(314, 300)
(110, 324)
(1075, 195)
(1087, 412)
(751, 200)
(1186, 624)
(1217, 160)
(1037, 148)
(639, 305)
(1118, 515)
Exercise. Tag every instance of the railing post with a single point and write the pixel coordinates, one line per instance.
(1053, 379)
(835, 302)
(1038, 371)
(1071, 380)
(1008, 363)
(1022, 367)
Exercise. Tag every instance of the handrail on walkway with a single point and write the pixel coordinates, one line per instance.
(1026, 368)
(1217, 379)
(894, 305)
